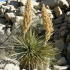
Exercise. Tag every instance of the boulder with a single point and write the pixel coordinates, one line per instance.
(62, 61)
(68, 20)
(65, 24)
(2, 25)
(2, 29)
(67, 13)
(34, 3)
(35, 11)
(15, 3)
(11, 60)
(49, 12)
(63, 28)
(22, 2)
(34, 16)
(55, 37)
(16, 67)
(8, 31)
(9, 66)
(68, 38)
(2, 16)
(38, 14)
(17, 19)
(23, 69)
(16, 25)
(59, 20)
(7, 2)
(9, 16)
(68, 54)
(1, 11)
(63, 4)
(2, 65)
(67, 17)
(21, 11)
(58, 26)
(57, 11)
(5, 8)
(2, 21)
(46, 69)
(64, 33)
(56, 67)
(12, 8)
(59, 44)
(56, 31)
(68, 25)
(68, 1)
(35, 69)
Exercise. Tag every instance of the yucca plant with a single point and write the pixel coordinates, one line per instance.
(31, 51)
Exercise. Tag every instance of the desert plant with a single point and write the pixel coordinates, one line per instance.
(32, 52)
(36, 7)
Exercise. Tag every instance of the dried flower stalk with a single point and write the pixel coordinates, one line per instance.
(27, 16)
(47, 23)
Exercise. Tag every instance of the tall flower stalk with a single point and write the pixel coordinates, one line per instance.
(27, 17)
(47, 23)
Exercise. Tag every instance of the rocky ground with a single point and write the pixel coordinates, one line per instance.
(11, 13)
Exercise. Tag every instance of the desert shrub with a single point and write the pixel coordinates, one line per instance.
(32, 51)
(36, 7)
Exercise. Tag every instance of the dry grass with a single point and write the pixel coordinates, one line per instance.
(47, 23)
(27, 17)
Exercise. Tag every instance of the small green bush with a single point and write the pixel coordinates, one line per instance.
(36, 7)
(31, 51)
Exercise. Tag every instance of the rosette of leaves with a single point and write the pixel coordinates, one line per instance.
(31, 51)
